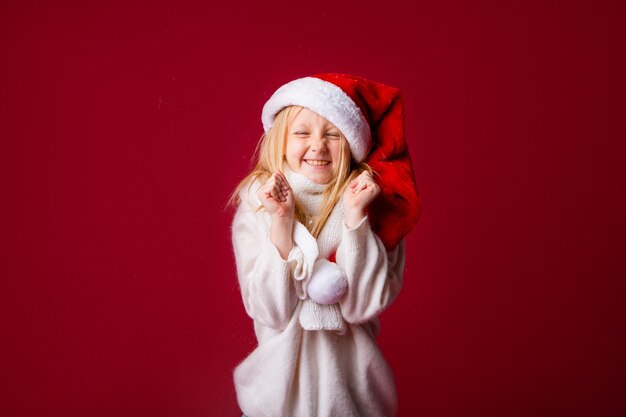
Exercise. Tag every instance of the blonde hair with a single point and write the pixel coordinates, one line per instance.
(270, 157)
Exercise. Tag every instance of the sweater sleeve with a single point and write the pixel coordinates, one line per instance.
(374, 275)
(265, 279)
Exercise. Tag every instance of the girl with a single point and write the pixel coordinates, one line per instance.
(319, 247)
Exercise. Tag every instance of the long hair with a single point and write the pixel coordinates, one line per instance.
(270, 157)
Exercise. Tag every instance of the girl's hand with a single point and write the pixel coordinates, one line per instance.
(277, 197)
(358, 195)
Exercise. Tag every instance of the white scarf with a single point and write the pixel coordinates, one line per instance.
(314, 316)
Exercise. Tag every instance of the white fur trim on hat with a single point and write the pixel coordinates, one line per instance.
(330, 102)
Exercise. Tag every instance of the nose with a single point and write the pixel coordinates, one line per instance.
(318, 144)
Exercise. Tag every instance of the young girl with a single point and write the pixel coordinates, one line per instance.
(319, 244)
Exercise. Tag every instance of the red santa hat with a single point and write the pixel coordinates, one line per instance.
(371, 117)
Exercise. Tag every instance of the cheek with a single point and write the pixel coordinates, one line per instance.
(335, 151)
(293, 154)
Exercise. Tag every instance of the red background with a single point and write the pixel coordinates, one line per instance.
(124, 127)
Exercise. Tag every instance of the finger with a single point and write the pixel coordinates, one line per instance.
(275, 194)
(363, 176)
(283, 197)
(278, 188)
(284, 185)
(280, 184)
(281, 193)
(367, 178)
(274, 183)
(359, 187)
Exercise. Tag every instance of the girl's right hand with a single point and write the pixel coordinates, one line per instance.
(277, 197)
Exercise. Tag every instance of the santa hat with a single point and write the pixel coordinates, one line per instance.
(371, 117)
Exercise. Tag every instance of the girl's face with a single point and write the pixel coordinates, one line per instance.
(313, 147)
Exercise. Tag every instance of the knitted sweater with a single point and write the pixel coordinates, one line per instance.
(312, 359)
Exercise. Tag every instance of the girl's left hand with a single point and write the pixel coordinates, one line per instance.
(357, 196)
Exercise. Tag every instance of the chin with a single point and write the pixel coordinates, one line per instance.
(317, 177)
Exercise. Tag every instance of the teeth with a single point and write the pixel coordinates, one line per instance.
(317, 163)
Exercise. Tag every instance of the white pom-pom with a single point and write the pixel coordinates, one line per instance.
(328, 282)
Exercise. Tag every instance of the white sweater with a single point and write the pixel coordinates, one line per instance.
(313, 360)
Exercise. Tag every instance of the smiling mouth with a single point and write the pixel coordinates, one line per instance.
(316, 162)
